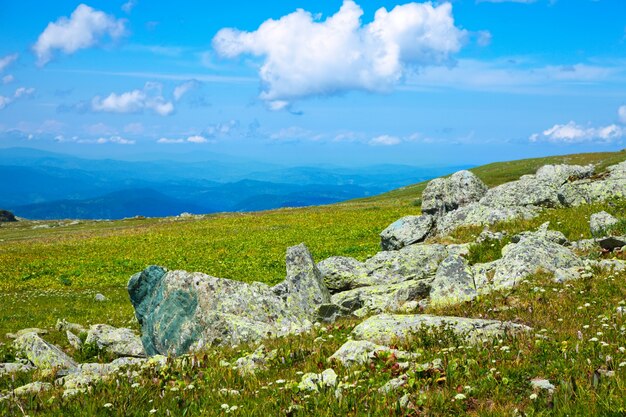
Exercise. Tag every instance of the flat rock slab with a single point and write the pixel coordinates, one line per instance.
(385, 329)
(358, 352)
(41, 353)
(406, 231)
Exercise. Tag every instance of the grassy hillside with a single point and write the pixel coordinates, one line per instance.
(50, 270)
(579, 342)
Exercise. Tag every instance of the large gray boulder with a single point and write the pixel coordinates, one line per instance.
(118, 341)
(180, 311)
(417, 261)
(530, 255)
(382, 298)
(453, 283)
(601, 222)
(406, 231)
(587, 191)
(442, 195)
(387, 328)
(527, 191)
(479, 214)
(41, 353)
(561, 174)
(341, 273)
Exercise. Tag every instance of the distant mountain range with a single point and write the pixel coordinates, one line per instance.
(36, 184)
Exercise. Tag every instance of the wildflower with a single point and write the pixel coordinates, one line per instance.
(533, 396)
(153, 411)
(108, 405)
(225, 406)
(593, 339)
(460, 397)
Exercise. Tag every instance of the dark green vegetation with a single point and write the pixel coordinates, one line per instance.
(52, 273)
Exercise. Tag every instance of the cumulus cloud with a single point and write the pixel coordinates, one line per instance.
(506, 1)
(83, 29)
(385, 140)
(621, 113)
(190, 139)
(8, 79)
(182, 89)
(21, 92)
(115, 139)
(7, 60)
(135, 101)
(575, 133)
(304, 56)
(129, 5)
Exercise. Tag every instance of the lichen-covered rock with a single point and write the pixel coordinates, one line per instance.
(531, 254)
(453, 283)
(394, 384)
(64, 325)
(41, 353)
(416, 262)
(32, 388)
(442, 195)
(381, 298)
(406, 231)
(13, 368)
(341, 273)
(75, 341)
(601, 222)
(483, 275)
(544, 233)
(179, 311)
(482, 215)
(255, 361)
(314, 382)
(527, 191)
(561, 174)
(87, 374)
(118, 341)
(588, 191)
(359, 352)
(385, 329)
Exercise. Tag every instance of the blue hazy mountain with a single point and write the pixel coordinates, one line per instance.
(44, 185)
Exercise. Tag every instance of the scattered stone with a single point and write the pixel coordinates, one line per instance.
(487, 234)
(118, 341)
(64, 325)
(406, 231)
(358, 352)
(610, 243)
(255, 361)
(32, 388)
(13, 368)
(453, 283)
(405, 401)
(100, 298)
(41, 353)
(616, 265)
(394, 384)
(462, 249)
(542, 232)
(482, 215)
(584, 245)
(87, 374)
(569, 274)
(443, 195)
(22, 332)
(561, 174)
(74, 340)
(415, 262)
(7, 217)
(329, 313)
(601, 222)
(387, 328)
(180, 311)
(542, 384)
(314, 382)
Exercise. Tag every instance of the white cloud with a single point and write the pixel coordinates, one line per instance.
(84, 29)
(184, 88)
(191, 139)
(7, 60)
(483, 38)
(575, 133)
(506, 1)
(385, 140)
(21, 92)
(621, 113)
(303, 56)
(135, 101)
(115, 139)
(129, 5)
(8, 79)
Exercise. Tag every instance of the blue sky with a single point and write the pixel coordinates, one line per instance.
(442, 83)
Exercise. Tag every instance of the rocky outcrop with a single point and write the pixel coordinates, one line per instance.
(385, 329)
(6, 216)
(453, 283)
(442, 195)
(179, 311)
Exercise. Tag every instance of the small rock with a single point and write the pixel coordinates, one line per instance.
(540, 383)
(13, 368)
(63, 324)
(32, 388)
(74, 340)
(99, 297)
(313, 382)
(358, 352)
(453, 283)
(41, 353)
(255, 361)
(442, 195)
(119, 341)
(394, 384)
(601, 222)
